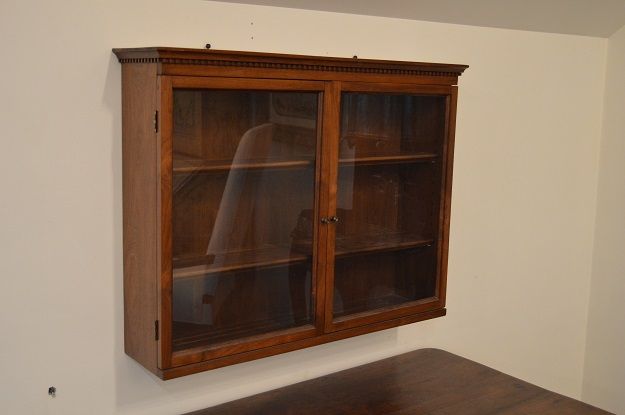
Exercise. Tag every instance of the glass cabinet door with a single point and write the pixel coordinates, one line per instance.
(388, 202)
(243, 197)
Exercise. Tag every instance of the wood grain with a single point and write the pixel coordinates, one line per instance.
(139, 187)
(423, 382)
(164, 214)
(445, 211)
(331, 134)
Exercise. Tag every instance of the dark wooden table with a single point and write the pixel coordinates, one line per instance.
(427, 381)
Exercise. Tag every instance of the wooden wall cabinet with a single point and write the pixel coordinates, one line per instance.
(276, 202)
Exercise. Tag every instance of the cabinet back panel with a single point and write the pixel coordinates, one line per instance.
(375, 281)
(419, 202)
(215, 214)
(244, 125)
(386, 124)
(388, 199)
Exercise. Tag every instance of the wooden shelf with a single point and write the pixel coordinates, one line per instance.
(197, 266)
(389, 159)
(188, 335)
(370, 304)
(382, 242)
(267, 256)
(186, 166)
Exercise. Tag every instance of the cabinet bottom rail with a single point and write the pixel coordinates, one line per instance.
(182, 367)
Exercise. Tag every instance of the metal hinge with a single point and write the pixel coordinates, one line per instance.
(156, 330)
(156, 121)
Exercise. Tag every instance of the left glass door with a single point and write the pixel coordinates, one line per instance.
(243, 187)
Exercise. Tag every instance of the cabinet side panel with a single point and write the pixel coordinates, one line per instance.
(446, 193)
(140, 222)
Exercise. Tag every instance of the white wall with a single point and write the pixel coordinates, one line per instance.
(604, 374)
(522, 217)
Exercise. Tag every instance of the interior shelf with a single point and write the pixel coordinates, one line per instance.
(389, 159)
(188, 335)
(187, 165)
(383, 242)
(197, 266)
(369, 304)
(266, 256)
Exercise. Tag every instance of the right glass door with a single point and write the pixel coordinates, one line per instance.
(388, 205)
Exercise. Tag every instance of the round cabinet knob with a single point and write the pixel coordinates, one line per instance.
(334, 219)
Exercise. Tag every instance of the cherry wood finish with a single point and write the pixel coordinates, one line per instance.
(274, 202)
(211, 62)
(423, 382)
(140, 220)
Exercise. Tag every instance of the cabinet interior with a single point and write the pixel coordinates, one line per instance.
(243, 192)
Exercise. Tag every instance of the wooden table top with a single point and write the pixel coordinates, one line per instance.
(427, 381)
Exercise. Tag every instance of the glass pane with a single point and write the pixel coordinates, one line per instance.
(383, 279)
(388, 200)
(243, 192)
(391, 125)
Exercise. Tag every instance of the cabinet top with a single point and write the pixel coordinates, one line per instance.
(277, 61)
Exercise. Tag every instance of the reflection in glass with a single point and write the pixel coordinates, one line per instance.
(243, 191)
